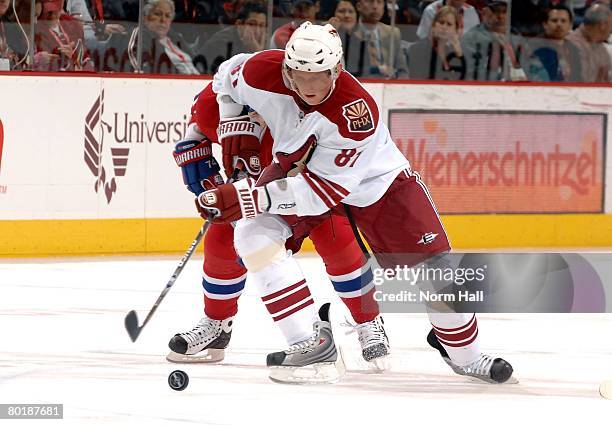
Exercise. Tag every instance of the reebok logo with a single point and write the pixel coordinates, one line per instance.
(427, 238)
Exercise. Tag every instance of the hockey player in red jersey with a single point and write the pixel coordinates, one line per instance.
(224, 276)
(331, 148)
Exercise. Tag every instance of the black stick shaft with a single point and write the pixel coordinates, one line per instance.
(178, 270)
(129, 324)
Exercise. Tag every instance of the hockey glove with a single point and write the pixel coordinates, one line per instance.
(240, 142)
(200, 169)
(233, 201)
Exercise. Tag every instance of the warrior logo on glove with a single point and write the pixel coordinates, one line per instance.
(240, 143)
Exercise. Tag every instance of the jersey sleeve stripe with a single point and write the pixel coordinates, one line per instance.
(338, 188)
(319, 191)
(331, 190)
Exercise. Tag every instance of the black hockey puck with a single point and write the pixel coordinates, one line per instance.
(178, 380)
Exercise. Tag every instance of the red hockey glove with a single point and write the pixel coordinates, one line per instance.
(232, 201)
(240, 142)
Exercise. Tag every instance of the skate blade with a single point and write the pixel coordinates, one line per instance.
(318, 373)
(211, 355)
(356, 362)
(511, 381)
(380, 364)
(481, 379)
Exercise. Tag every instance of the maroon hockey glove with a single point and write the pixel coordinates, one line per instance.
(240, 142)
(232, 201)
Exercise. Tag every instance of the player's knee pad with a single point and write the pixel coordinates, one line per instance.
(260, 241)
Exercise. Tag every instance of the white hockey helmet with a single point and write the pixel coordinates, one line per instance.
(313, 48)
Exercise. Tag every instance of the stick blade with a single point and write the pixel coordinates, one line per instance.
(131, 325)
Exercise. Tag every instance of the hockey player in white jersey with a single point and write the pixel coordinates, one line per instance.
(223, 273)
(332, 152)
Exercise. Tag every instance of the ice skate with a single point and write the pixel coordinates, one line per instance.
(485, 367)
(374, 343)
(205, 343)
(312, 361)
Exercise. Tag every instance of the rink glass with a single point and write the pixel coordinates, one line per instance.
(203, 34)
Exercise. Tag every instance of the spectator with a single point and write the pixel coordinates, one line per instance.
(302, 10)
(59, 41)
(375, 47)
(13, 41)
(439, 56)
(248, 35)
(408, 12)
(553, 57)
(468, 17)
(344, 16)
(492, 54)
(98, 34)
(164, 51)
(232, 9)
(283, 8)
(199, 11)
(579, 8)
(122, 10)
(590, 37)
(528, 15)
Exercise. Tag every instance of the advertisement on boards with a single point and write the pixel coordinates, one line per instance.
(506, 162)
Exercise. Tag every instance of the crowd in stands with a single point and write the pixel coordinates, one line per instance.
(484, 40)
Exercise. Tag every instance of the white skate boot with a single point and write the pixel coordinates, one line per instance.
(485, 367)
(374, 343)
(205, 343)
(313, 361)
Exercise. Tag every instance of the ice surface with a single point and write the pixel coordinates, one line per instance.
(63, 341)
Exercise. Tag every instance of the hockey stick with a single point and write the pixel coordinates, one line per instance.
(362, 246)
(131, 319)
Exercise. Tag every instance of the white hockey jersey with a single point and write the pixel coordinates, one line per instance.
(355, 160)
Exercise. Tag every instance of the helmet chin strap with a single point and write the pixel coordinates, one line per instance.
(291, 84)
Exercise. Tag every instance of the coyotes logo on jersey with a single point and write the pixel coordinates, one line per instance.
(358, 116)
